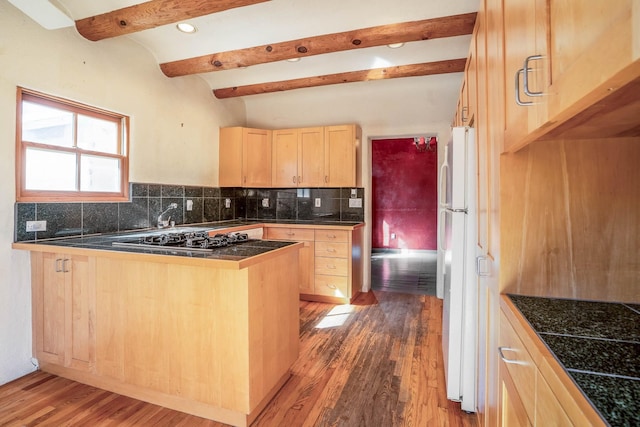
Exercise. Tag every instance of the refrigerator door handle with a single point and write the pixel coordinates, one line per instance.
(443, 180)
(441, 220)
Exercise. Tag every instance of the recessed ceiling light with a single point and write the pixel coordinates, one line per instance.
(395, 45)
(293, 59)
(186, 28)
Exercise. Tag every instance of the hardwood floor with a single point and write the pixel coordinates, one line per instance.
(409, 273)
(375, 363)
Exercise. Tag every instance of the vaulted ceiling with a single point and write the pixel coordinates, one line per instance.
(247, 47)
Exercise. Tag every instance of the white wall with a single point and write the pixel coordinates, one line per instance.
(174, 135)
(384, 109)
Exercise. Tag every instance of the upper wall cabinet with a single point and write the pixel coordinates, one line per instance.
(297, 159)
(245, 157)
(572, 69)
(342, 158)
(326, 156)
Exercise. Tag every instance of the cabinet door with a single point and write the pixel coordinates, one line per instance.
(64, 309)
(340, 156)
(284, 163)
(49, 307)
(80, 291)
(311, 157)
(590, 42)
(526, 33)
(512, 412)
(256, 157)
(230, 157)
(549, 411)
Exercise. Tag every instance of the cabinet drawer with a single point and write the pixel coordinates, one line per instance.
(333, 286)
(332, 266)
(517, 361)
(295, 234)
(332, 235)
(333, 250)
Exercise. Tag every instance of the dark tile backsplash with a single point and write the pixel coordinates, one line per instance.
(210, 204)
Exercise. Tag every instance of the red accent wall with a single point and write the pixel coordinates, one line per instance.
(405, 200)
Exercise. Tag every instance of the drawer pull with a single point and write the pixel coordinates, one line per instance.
(330, 286)
(331, 267)
(331, 250)
(291, 234)
(331, 236)
(505, 360)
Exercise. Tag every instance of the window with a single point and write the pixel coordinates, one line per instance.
(69, 151)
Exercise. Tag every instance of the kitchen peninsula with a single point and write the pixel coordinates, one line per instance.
(209, 335)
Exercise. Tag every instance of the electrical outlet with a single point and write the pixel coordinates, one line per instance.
(36, 226)
(265, 203)
(318, 202)
(189, 205)
(393, 236)
(355, 203)
(227, 203)
(354, 193)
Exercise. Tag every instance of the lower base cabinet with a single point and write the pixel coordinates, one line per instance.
(534, 389)
(330, 264)
(63, 299)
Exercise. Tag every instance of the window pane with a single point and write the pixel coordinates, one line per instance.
(46, 125)
(50, 170)
(97, 134)
(99, 174)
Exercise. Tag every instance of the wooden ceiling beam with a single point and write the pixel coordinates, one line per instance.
(448, 26)
(151, 14)
(424, 69)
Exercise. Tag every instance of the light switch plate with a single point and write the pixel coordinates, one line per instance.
(189, 205)
(227, 203)
(354, 193)
(265, 203)
(355, 203)
(318, 202)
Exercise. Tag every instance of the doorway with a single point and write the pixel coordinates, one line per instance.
(404, 216)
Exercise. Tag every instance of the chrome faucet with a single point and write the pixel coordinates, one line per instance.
(161, 223)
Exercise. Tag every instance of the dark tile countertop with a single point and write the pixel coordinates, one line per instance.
(235, 252)
(598, 343)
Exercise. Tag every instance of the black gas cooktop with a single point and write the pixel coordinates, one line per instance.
(198, 241)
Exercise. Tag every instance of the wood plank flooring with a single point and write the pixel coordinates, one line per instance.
(375, 363)
(410, 273)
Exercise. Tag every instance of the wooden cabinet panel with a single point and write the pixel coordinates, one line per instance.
(285, 158)
(547, 406)
(332, 266)
(306, 261)
(311, 151)
(244, 157)
(519, 366)
(256, 157)
(332, 249)
(332, 235)
(341, 149)
(332, 286)
(64, 309)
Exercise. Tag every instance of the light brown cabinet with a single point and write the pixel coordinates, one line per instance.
(63, 288)
(526, 62)
(297, 159)
(330, 262)
(306, 257)
(244, 157)
(342, 158)
(326, 156)
(571, 70)
(534, 389)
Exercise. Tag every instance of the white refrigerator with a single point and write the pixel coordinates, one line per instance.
(456, 276)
